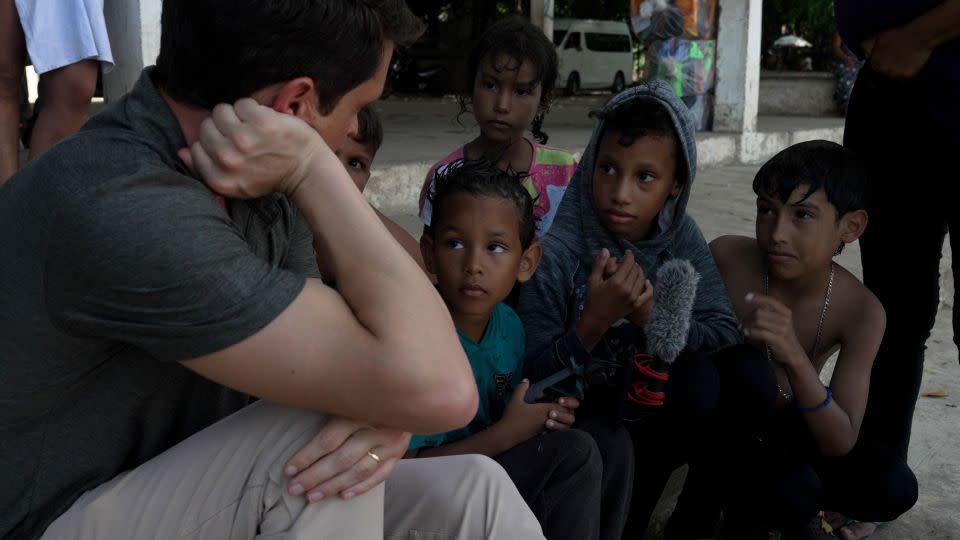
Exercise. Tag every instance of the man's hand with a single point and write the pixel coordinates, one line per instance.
(523, 421)
(247, 150)
(897, 53)
(336, 460)
(771, 322)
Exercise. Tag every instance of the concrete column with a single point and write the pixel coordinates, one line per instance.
(738, 66)
(134, 28)
(541, 14)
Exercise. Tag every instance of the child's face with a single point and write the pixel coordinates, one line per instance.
(505, 102)
(632, 183)
(356, 158)
(476, 253)
(801, 236)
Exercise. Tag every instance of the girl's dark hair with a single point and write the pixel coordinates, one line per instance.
(817, 165)
(482, 178)
(218, 51)
(521, 41)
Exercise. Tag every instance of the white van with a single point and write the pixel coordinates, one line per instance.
(593, 54)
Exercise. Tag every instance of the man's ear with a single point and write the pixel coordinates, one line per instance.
(529, 261)
(852, 225)
(426, 250)
(296, 97)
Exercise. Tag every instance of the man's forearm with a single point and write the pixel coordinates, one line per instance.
(387, 292)
(939, 25)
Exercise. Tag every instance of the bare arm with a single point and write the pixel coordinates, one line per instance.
(836, 426)
(405, 239)
(901, 52)
(361, 353)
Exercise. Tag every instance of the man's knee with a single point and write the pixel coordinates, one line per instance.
(73, 85)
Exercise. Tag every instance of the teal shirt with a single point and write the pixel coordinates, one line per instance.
(497, 363)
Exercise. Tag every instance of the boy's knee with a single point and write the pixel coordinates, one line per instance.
(576, 453)
(693, 388)
(748, 383)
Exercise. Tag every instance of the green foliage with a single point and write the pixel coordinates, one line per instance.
(811, 19)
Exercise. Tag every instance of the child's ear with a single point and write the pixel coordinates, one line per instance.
(852, 225)
(426, 250)
(529, 261)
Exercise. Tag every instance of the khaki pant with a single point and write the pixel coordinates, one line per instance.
(227, 482)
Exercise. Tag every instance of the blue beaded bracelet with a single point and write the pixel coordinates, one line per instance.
(817, 407)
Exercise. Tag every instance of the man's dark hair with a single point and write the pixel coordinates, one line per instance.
(643, 118)
(369, 128)
(519, 40)
(218, 51)
(815, 164)
(482, 178)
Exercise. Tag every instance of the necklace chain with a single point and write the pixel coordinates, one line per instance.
(823, 314)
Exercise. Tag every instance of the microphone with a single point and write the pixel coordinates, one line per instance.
(666, 336)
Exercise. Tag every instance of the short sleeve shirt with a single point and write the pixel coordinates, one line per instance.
(117, 264)
(497, 363)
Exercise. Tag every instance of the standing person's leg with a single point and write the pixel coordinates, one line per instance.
(12, 56)
(448, 498)
(888, 127)
(559, 474)
(66, 106)
(616, 484)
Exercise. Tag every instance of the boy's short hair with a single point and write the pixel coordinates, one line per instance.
(369, 128)
(643, 118)
(482, 178)
(819, 165)
(218, 51)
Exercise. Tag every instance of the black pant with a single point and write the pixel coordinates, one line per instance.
(911, 202)
(765, 471)
(559, 476)
(673, 435)
(783, 481)
(745, 405)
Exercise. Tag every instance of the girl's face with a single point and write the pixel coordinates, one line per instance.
(506, 98)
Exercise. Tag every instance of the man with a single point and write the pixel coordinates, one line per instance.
(140, 307)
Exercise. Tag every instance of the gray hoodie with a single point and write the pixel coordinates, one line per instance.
(552, 302)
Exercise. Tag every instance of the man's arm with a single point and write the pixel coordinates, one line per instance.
(405, 239)
(361, 353)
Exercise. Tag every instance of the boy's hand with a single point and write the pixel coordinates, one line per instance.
(613, 289)
(247, 150)
(643, 306)
(523, 421)
(336, 460)
(564, 417)
(771, 322)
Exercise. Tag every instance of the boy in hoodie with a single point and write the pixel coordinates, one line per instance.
(622, 217)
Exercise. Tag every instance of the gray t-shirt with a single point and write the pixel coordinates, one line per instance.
(115, 264)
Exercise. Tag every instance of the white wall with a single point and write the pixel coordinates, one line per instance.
(738, 66)
(134, 28)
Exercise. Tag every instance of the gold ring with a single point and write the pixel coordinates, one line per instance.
(374, 457)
